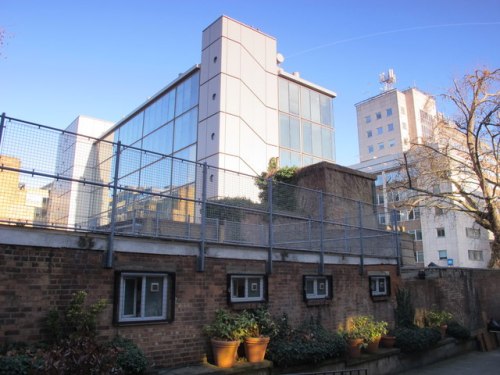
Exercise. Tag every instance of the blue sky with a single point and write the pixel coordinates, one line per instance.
(104, 58)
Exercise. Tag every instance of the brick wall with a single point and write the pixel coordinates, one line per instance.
(35, 280)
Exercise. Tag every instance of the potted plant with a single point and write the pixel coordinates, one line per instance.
(258, 327)
(355, 335)
(226, 333)
(374, 332)
(438, 319)
(388, 340)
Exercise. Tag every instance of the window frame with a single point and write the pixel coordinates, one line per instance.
(440, 232)
(375, 280)
(262, 298)
(443, 252)
(315, 296)
(167, 299)
(475, 258)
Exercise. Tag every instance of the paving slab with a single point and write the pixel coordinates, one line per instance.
(476, 362)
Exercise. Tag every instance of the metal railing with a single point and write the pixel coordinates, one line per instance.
(68, 181)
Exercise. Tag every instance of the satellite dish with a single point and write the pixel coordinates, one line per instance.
(280, 58)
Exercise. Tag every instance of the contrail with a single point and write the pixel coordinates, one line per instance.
(390, 32)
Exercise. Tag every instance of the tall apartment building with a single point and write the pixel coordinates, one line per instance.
(387, 126)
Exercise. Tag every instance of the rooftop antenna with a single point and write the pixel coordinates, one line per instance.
(388, 80)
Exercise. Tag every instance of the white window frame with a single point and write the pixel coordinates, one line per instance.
(375, 286)
(419, 256)
(441, 257)
(414, 214)
(415, 235)
(321, 287)
(235, 299)
(139, 316)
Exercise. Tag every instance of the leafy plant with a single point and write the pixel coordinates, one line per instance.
(78, 320)
(415, 339)
(457, 331)
(129, 358)
(436, 318)
(15, 364)
(258, 322)
(309, 343)
(225, 326)
(405, 312)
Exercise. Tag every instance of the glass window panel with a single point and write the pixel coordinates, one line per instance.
(131, 131)
(284, 131)
(315, 107)
(316, 140)
(186, 95)
(283, 95)
(305, 103)
(322, 288)
(295, 159)
(285, 158)
(307, 137)
(310, 286)
(156, 174)
(327, 146)
(325, 110)
(294, 134)
(293, 91)
(184, 172)
(154, 297)
(238, 289)
(161, 140)
(129, 297)
(254, 287)
(307, 160)
(185, 130)
(130, 162)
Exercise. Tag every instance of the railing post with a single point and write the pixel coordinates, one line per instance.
(201, 255)
(396, 239)
(361, 245)
(321, 269)
(2, 124)
(271, 235)
(111, 239)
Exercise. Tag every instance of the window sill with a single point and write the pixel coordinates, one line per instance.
(318, 302)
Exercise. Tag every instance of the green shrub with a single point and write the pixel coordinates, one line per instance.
(457, 331)
(309, 343)
(436, 318)
(411, 340)
(405, 312)
(15, 364)
(130, 358)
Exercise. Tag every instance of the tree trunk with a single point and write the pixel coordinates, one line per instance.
(495, 252)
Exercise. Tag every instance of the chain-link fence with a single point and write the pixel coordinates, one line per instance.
(61, 179)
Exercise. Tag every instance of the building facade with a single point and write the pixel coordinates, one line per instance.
(388, 124)
(235, 110)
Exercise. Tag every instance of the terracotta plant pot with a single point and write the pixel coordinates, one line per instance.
(388, 341)
(224, 352)
(255, 348)
(372, 346)
(354, 347)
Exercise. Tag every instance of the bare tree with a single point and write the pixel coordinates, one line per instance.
(456, 167)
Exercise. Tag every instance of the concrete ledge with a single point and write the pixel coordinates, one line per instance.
(260, 368)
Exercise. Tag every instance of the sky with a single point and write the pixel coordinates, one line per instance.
(61, 59)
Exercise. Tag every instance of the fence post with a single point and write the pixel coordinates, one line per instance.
(361, 245)
(201, 255)
(322, 235)
(111, 240)
(396, 239)
(2, 124)
(271, 236)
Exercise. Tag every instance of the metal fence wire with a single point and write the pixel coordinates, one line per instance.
(60, 179)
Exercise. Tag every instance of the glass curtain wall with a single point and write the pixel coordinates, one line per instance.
(306, 131)
(168, 125)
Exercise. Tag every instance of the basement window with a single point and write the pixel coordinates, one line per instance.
(317, 287)
(380, 286)
(247, 288)
(144, 297)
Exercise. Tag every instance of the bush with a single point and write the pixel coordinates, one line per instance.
(15, 364)
(457, 331)
(415, 339)
(405, 312)
(130, 358)
(310, 343)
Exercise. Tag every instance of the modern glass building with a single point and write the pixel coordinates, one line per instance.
(236, 110)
